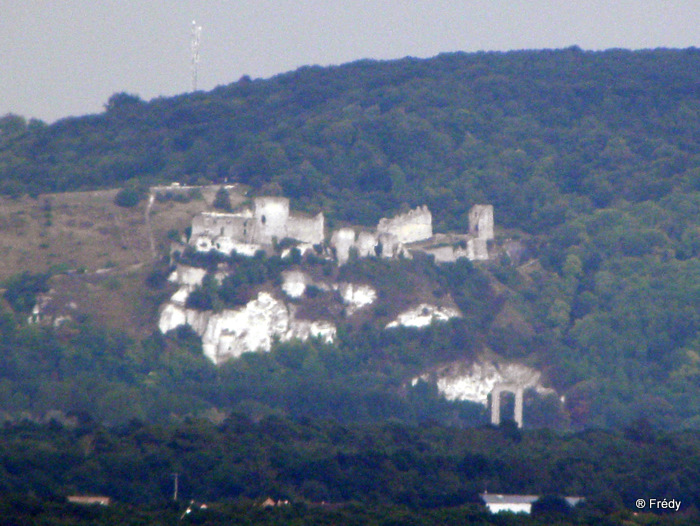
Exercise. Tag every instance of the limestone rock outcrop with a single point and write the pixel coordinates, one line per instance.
(474, 382)
(423, 315)
(356, 297)
(294, 283)
(253, 327)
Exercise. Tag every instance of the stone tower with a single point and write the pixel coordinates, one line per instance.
(271, 215)
(481, 221)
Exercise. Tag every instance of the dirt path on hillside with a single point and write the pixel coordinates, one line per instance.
(151, 240)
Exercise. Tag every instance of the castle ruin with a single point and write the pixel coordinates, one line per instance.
(481, 221)
(413, 232)
(250, 230)
(270, 219)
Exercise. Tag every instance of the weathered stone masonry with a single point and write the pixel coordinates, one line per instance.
(250, 230)
(413, 232)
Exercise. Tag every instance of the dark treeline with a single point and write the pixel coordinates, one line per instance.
(428, 470)
(53, 512)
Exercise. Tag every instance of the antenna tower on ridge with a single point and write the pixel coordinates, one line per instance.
(194, 46)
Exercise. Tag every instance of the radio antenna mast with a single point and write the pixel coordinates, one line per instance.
(194, 46)
(176, 485)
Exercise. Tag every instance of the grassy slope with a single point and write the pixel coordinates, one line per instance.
(100, 253)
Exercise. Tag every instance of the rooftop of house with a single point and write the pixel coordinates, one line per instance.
(495, 498)
(89, 499)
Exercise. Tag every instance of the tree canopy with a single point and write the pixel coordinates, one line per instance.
(591, 160)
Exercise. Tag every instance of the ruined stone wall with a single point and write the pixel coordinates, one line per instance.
(446, 254)
(270, 219)
(415, 225)
(213, 224)
(366, 243)
(221, 231)
(499, 388)
(201, 226)
(342, 240)
(477, 250)
(389, 239)
(390, 245)
(306, 229)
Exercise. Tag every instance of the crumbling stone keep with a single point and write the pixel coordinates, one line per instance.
(249, 230)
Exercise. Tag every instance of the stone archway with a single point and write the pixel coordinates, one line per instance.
(496, 403)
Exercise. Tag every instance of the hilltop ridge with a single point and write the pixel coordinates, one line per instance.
(590, 159)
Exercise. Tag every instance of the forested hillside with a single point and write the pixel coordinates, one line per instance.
(535, 133)
(591, 160)
(330, 473)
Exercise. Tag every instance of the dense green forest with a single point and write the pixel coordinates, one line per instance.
(592, 162)
(330, 473)
(542, 135)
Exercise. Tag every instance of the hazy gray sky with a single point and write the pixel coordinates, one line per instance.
(66, 57)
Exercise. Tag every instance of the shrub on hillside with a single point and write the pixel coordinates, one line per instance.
(127, 197)
(21, 290)
(222, 200)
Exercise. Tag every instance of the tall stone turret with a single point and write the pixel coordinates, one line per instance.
(481, 221)
(271, 215)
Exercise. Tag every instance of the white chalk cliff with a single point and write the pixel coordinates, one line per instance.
(474, 382)
(355, 296)
(253, 327)
(423, 315)
(294, 283)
